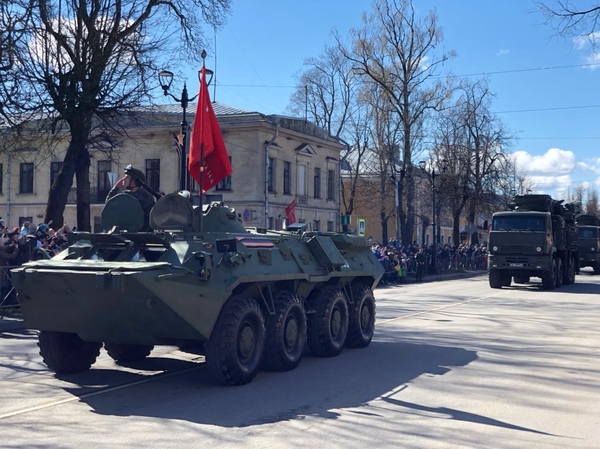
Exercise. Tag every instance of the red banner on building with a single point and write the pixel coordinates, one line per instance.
(290, 212)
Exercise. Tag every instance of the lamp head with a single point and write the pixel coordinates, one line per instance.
(165, 78)
(422, 165)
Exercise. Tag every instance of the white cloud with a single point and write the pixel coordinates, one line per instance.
(583, 40)
(546, 183)
(553, 161)
(592, 166)
(593, 58)
(598, 182)
(502, 52)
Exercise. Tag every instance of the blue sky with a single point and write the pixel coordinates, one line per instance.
(265, 42)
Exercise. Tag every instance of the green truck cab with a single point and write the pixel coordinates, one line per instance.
(589, 241)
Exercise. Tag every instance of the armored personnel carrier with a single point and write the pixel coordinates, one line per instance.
(251, 298)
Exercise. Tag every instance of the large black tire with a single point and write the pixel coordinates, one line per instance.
(235, 347)
(506, 280)
(127, 353)
(569, 272)
(549, 278)
(66, 353)
(286, 334)
(559, 273)
(521, 279)
(328, 325)
(596, 268)
(361, 317)
(495, 278)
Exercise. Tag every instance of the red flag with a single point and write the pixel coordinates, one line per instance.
(206, 131)
(290, 212)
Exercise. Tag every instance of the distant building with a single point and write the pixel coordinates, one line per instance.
(275, 160)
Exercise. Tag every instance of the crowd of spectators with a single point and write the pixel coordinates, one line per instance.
(21, 245)
(399, 260)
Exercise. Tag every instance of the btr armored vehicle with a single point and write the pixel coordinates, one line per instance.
(537, 237)
(250, 297)
(589, 241)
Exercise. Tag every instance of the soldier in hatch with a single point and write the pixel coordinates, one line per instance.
(131, 184)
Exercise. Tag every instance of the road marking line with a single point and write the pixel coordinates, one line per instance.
(98, 393)
(455, 304)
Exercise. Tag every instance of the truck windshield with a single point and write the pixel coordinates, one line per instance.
(588, 233)
(519, 223)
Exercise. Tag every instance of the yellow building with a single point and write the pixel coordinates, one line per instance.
(275, 160)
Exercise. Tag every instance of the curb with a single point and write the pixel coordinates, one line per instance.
(11, 324)
(439, 277)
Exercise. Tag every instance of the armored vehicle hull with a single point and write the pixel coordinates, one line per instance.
(251, 297)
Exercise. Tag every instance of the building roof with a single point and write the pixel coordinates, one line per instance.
(219, 108)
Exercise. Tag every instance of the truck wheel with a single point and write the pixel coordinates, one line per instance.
(361, 317)
(495, 278)
(235, 347)
(569, 273)
(126, 353)
(506, 280)
(559, 273)
(328, 326)
(66, 353)
(285, 334)
(597, 268)
(549, 278)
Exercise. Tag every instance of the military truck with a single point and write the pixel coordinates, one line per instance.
(248, 298)
(536, 237)
(589, 241)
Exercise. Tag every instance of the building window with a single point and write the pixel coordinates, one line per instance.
(287, 178)
(103, 181)
(330, 225)
(54, 169)
(270, 223)
(24, 219)
(270, 179)
(330, 185)
(317, 187)
(26, 178)
(301, 179)
(316, 224)
(153, 173)
(1, 177)
(225, 183)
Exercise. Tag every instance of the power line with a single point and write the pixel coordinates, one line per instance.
(561, 108)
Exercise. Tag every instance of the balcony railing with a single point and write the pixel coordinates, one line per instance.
(96, 196)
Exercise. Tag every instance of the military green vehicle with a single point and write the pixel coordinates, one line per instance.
(589, 241)
(251, 298)
(537, 237)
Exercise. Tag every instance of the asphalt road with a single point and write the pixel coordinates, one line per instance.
(453, 364)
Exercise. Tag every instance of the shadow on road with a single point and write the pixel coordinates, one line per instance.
(317, 388)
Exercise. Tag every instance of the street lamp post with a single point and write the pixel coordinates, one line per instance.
(432, 174)
(166, 78)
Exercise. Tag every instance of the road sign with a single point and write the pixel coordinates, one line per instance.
(361, 227)
(345, 219)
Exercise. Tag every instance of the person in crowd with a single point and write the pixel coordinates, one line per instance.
(420, 260)
(26, 229)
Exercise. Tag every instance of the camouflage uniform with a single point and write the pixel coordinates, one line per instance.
(143, 196)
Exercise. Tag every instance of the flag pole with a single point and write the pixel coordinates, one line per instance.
(201, 186)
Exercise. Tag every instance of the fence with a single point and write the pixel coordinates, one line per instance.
(8, 296)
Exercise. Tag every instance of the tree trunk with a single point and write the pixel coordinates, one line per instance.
(456, 227)
(82, 174)
(410, 206)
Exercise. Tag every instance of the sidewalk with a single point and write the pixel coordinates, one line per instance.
(410, 279)
(11, 323)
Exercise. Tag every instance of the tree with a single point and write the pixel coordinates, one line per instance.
(397, 51)
(84, 65)
(569, 21)
(592, 206)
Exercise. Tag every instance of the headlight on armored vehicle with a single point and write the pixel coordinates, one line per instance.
(593, 249)
(538, 249)
(495, 248)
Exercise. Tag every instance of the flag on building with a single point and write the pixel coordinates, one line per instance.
(206, 131)
(290, 212)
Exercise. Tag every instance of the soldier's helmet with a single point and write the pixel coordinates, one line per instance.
(135, 173)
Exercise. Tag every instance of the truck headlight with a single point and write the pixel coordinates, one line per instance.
(495, 248)
(538, 249)
(593, 249)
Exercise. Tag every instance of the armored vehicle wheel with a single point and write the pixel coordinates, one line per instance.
(549, 278)
(361, 317)
(573, 271)
(597, 268)
(521, 279)
(235, 347)
(506, 280)
(495, 278)
(559, 273)
(66, 353)
(328, 326)
(286, 334)
(127, 353)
